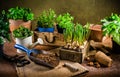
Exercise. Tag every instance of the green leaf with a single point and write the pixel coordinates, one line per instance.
(22, 32)
(46, 19)
(20, 13)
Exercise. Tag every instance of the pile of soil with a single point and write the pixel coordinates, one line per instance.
(50, 59)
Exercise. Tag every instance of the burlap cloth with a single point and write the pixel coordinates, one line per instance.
(34, 70)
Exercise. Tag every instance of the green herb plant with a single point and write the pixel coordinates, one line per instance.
(111, 27)
(22, 32)
(77, 34)
(46, 19)
(63, 20)
(68, 33)
(81, 33)
(4, 27)
(20, 13)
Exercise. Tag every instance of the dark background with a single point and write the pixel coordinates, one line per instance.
(83, 10)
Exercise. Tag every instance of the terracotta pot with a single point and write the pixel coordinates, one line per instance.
(96, 32)
(14, 24)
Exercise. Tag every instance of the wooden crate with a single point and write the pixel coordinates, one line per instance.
(58, 38)
(73, 55)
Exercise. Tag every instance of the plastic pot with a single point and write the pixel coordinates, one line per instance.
(60, 30)
(45, 29)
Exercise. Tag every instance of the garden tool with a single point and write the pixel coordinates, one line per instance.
(33, 52)
(39, 41)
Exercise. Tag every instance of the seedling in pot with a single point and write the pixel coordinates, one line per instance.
(111, 27)
(75, 37)
(20, 13)
(46, 19)
(22, 32)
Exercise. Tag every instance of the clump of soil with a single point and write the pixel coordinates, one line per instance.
(92, 62)
(50, 59)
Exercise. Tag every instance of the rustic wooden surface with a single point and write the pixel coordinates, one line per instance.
(33, 70)
(8, 69)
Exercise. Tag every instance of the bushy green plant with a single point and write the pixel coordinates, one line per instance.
(111, 27)
(46, 19)
(20, 13)
(22, 32)
(4, 27)
(63, 20)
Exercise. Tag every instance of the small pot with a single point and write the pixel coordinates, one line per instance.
(60, 30)
(1, 50)
(45, 29)
(14, 24)
(24, 41)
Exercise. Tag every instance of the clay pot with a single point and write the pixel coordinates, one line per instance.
(14, 24)
(96, 32)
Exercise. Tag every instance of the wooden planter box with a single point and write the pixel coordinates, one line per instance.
(73, 55)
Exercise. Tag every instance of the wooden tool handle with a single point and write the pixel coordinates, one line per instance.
(71, 67)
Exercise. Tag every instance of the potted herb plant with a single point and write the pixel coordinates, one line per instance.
(23, 36)
(76, 35)
(20, 16)
(111, 28)
(4, 31)
(63, 21)
(46, 21)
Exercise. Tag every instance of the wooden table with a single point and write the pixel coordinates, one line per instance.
(7, 69)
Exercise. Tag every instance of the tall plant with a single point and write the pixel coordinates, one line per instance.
(77, 34)
(68, 32)
(81, 33)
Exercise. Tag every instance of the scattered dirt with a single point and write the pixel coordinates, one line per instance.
(48, 58)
